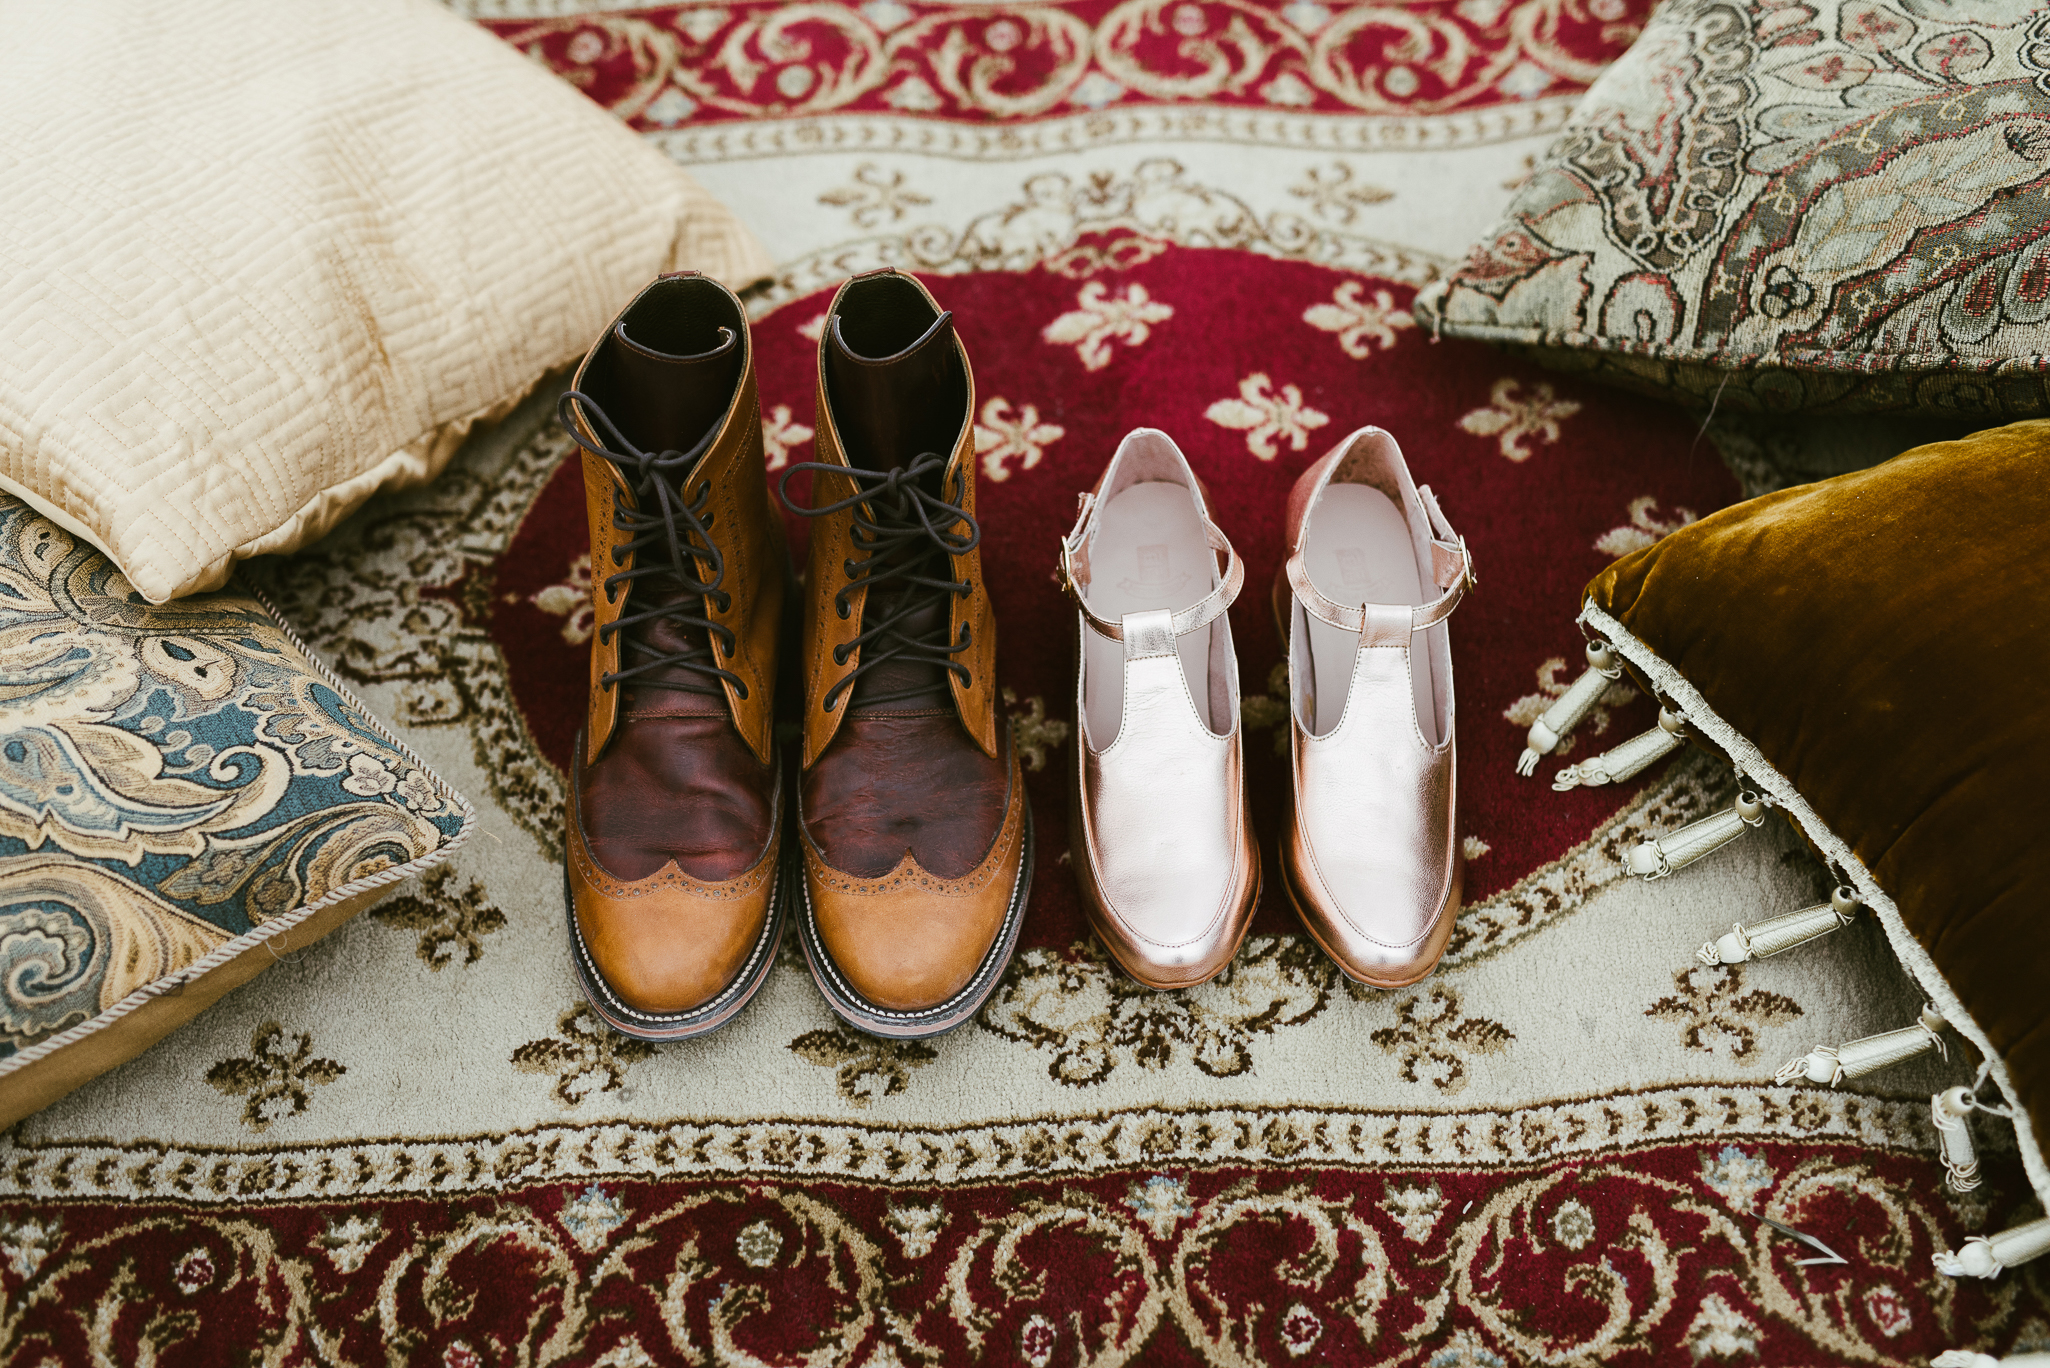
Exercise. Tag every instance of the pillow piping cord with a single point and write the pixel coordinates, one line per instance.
(1754, 767)
(276, 927)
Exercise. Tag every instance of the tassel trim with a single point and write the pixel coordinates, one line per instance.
(1856, 1058)
(1783, 932)
(1676, 850)
(1984, 1256)
(1566, 712)
(1621, 762)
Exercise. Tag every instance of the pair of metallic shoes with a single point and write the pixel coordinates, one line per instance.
(907, 868)
(1163, 845)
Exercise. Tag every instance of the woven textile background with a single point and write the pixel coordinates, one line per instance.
(1203, 215)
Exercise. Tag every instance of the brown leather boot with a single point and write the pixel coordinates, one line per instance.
(674, 840)
(917, 840)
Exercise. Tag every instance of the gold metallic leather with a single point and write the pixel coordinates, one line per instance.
(910, 940)
(832, 545)
(1165, 855)
(1370, 851)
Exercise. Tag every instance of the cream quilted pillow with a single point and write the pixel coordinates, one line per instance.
(260, 257)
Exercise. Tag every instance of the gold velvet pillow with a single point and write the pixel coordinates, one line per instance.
(1872, 652)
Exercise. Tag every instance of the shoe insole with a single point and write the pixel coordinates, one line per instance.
(1359, 551)
(1149, 553)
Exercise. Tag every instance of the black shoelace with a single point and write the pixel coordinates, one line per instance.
(902, 529)
(655, 478)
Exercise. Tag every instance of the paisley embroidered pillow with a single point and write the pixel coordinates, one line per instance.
(179, 786)
(1837, 206)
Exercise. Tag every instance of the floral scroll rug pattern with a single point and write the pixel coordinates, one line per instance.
(1205, 215)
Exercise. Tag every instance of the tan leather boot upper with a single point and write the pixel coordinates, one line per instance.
(673, 840)
(916, 833)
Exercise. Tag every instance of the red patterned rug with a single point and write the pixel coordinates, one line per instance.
(1204, 216)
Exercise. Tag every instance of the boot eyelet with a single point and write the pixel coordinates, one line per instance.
(843, 612)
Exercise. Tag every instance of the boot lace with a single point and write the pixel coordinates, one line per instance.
(664, 520)
(903, 529)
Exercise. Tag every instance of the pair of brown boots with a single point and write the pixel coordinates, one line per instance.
(912, 850)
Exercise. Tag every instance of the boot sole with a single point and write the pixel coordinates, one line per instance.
(865, 1016)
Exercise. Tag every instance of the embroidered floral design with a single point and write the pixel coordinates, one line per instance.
(876, 196)
(278, 1075)
(1415, 1209)
(459, 1354)
(1711, 1005)
(194, 1271)
(592, 1216)
(1888, 1310)
(585, 1056)
(348, 1242)
(865, 1066)
(571, 601)
(1512, 416)
(1101, 318)
(758, 1245)
(368, 777)
(1092, 1018)
(782, 435)
(1037, 1338)
(1643, 528)
(1737, 1176)
(1573, 1225)
(1037, 734)
(916, 1227)
(449, 923)
(1720, 1330)
(1334, 193)
(1300, 1330)
(1266, 415)
(27, 1242)
(1002, 435)
(1161, 1203)
(1530, 707)
(813, 329)
(1358, 321)
(1433, 1038)
(1473, 847)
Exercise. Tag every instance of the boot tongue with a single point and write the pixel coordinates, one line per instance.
(669, 403)
(889, 410)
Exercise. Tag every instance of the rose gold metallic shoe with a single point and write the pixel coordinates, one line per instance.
(1162, 845)
(1371, 854)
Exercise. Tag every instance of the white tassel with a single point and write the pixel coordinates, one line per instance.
(1859, 1057)
(1783, 932)
(1569, 707)
(1677, 850)
(1983, 1256)
(1620, 762)
(1951, 1110)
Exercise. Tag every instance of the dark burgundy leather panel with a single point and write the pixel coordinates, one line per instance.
(682, 788)
(898, 781)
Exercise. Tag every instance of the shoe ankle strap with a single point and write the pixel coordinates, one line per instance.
(1451, 570)
(1074, 576)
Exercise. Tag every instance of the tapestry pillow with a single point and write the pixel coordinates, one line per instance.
(261, 257)
(1839, 206)
(1869, 652)
(184, 795)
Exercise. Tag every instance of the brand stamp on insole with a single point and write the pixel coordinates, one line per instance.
(1156, 574)
(1352, 566)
